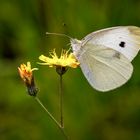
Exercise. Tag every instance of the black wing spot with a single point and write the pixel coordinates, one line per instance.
(122, 44)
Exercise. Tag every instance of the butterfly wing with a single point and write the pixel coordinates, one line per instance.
(104, 68)
(105, 56)
(124, 39)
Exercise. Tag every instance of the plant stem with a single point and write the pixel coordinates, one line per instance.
(61, 103)
(51, 116)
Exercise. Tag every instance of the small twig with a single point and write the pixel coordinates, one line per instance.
(52, 118)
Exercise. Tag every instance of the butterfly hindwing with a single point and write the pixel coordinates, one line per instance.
(104, 68)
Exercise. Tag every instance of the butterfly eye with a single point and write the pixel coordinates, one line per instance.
(122, 44)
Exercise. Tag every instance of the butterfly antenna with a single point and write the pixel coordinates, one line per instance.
(58, 34)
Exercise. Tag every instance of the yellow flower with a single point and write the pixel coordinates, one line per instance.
(65, 60)
(25, 72)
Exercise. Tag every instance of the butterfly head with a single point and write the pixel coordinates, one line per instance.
(75, 44)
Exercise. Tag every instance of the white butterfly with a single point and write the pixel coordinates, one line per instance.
(105, 56)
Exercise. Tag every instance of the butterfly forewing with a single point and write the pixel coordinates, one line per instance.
(124, 39)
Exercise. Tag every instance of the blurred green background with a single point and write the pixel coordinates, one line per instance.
(88, 114)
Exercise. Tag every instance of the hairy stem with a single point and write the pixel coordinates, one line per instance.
(61, 103)
(51, 116)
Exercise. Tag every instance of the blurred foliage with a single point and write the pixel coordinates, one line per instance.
(88, 114)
